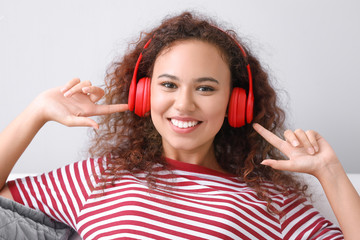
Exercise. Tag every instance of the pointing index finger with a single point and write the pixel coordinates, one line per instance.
(109, 109)
(269, 136)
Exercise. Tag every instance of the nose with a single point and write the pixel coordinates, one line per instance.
(184, 101)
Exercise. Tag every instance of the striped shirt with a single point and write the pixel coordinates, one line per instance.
(188, 202)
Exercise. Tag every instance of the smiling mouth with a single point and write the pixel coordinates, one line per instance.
(184, 124)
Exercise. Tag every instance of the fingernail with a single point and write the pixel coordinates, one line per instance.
(295, 143)
(311, 150)
(316, 148)
(67, 94)
(85, 89)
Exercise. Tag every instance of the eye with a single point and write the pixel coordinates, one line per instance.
(170, 85)
(205, 89)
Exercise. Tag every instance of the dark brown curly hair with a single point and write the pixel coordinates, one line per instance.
(134, 143)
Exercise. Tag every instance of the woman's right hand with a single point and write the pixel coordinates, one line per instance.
(74, 103)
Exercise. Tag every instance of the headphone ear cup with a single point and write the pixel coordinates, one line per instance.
(147, 91)
(237, 107)
(142, 99)
(250, 108)
(132, 96)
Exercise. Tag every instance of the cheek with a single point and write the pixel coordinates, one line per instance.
(216, 111)
(156, 113)
(158, 107)
(220, 104)
(157, 101)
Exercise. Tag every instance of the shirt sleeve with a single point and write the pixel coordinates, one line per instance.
(300, 220)
(61, 193)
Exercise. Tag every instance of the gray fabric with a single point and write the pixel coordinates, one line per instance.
(20, 222)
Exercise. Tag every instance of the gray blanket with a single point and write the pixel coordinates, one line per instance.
(20, 222)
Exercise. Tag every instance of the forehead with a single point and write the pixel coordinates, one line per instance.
(197, 43)
(192, 57)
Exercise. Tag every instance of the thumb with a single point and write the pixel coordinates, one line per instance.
(283, 165)
(74, 121)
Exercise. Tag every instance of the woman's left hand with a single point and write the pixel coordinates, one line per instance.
(308, 152)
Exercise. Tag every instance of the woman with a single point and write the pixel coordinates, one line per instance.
(181, 170)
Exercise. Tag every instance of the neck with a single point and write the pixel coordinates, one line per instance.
(204, 157)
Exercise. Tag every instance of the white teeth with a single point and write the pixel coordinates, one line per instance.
(183, 124)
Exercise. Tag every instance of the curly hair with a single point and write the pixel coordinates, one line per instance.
(135, 145)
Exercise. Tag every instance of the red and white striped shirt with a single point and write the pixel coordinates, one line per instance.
(189, 202)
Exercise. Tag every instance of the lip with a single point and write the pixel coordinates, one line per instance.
(184, 130)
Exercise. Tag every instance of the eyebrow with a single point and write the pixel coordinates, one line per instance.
(202, 79)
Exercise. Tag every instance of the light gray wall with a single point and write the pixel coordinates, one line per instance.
(310, 47)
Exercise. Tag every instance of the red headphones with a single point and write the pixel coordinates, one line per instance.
(240, 106)
(139, 94)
